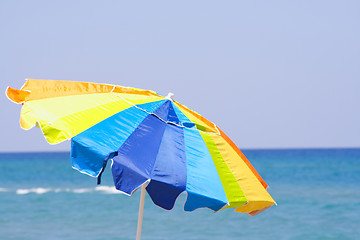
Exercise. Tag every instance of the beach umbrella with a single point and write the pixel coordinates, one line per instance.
(154, 142)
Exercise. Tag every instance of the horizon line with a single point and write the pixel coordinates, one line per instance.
(242, 149)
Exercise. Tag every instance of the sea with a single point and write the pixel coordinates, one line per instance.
(317, 193)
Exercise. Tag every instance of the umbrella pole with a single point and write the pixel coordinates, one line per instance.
(141, 212)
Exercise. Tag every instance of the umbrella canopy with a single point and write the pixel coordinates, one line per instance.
(151, 139)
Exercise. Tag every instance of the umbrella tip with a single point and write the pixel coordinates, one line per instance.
(170, 96)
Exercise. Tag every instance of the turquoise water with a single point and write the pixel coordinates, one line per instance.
(317, 191)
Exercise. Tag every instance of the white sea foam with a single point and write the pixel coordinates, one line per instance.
(3, 190)
(58, 190)
(107, 189)
(33, 190)
(98, 189)
(82, 190)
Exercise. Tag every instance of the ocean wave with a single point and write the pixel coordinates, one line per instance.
(33, 190)
(40, 190)
(107, 190)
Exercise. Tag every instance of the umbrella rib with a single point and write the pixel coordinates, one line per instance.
(168, 122)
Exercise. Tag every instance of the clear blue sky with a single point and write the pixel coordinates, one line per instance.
(271, 74)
